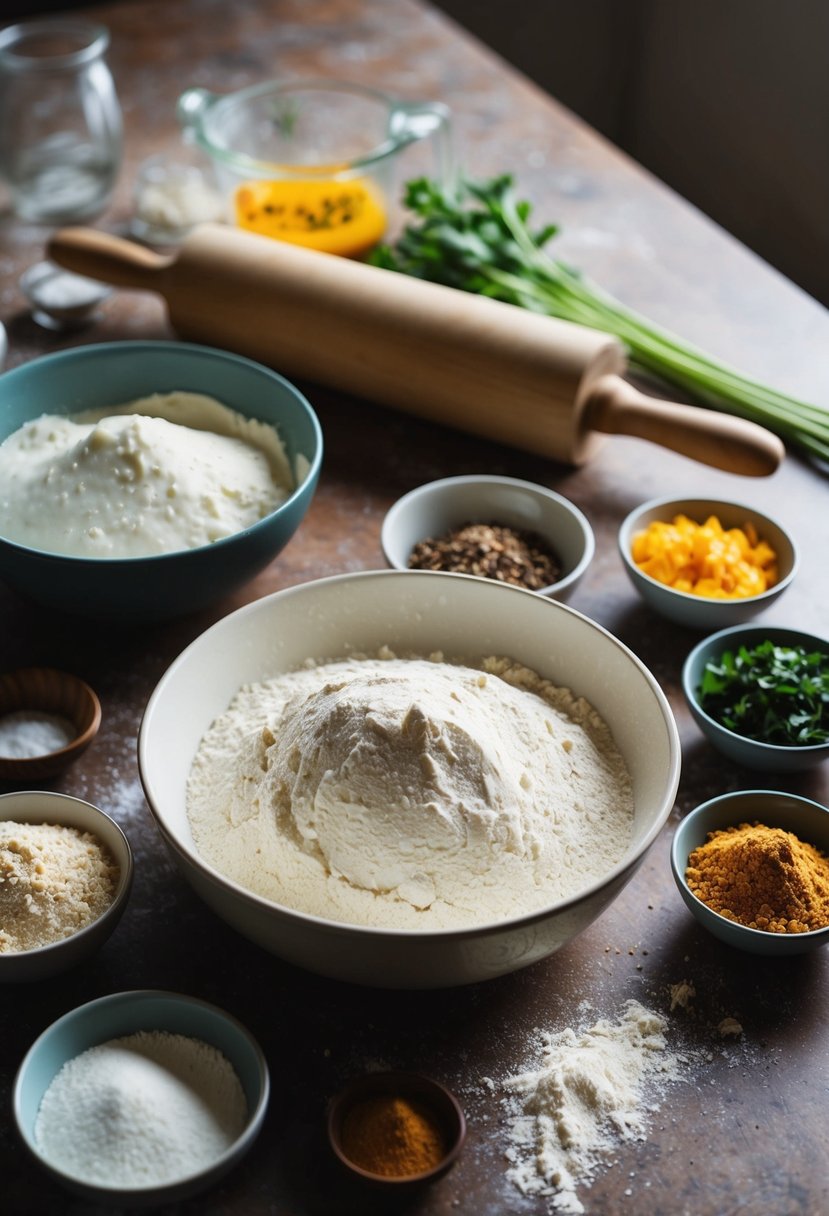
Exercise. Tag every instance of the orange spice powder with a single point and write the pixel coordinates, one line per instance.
(761, 877)
(392, 1136)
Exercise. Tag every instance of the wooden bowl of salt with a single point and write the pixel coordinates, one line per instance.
(47, 719)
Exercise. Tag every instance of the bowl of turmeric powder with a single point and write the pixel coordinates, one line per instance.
(753, 868)
(705, 563)
(396, 1129)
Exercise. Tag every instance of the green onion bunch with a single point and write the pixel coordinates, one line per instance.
(476, 237)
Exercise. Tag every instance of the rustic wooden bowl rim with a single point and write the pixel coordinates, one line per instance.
(26, 679)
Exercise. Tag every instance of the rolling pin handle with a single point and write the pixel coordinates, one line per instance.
(110, 259)
(617, 408)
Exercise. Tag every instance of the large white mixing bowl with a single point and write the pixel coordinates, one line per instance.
(412, 612)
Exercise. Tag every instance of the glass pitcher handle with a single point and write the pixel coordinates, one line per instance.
(431, 120)
(190, 110)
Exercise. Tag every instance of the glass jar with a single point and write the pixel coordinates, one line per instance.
(60, 122)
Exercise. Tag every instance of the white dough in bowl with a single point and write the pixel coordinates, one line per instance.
(169, 472)
(410, 793)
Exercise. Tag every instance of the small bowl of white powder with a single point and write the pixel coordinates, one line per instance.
(65, 878)
(48, 718)
(141, 1098)
(61, 300)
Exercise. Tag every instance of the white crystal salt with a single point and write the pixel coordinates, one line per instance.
(145, 1110)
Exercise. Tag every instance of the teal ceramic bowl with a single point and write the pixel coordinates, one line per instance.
(808, 820)
(165, 585)
(750, 753)
(125, 1013)
(698, 611)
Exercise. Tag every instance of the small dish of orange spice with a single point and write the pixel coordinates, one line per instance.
(394, 1128)
(753, 867)
(763, 878)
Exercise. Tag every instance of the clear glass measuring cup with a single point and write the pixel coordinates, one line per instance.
(60, 122)
(313, 162)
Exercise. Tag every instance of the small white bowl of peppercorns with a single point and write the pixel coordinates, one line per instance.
(500, 528)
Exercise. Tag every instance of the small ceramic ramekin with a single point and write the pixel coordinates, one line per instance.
(750, 753)
(440, 1102)
(45, 690)
(700, 611)
(434, 509)
(48, 806)
(808, 820)
(125, 1013)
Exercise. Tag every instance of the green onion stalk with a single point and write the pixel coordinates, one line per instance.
(476, 237)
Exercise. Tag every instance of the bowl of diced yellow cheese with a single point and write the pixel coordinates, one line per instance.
(705, 563)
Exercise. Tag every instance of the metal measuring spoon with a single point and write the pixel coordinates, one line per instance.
(61, 300)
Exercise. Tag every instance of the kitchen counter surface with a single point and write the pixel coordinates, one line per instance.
(747, 1130)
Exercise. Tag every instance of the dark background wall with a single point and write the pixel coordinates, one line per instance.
(725, 100)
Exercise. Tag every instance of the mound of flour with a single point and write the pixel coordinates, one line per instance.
(592, 1089)
(410, 793)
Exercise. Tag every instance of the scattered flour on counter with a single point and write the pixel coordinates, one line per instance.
(410, 793)
(592, 1089)
(682, 994)
(122, 796)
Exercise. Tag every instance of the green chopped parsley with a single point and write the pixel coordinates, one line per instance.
(771, 693)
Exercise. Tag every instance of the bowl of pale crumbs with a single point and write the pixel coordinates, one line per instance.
(65, 876)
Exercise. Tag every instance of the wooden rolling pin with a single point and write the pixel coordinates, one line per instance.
(490, 368)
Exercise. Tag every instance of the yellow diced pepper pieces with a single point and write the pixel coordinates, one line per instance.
(706, 559)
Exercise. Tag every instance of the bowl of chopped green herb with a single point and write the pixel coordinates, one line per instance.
(760, 695)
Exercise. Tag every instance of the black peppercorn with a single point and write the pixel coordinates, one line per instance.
(490, 551)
